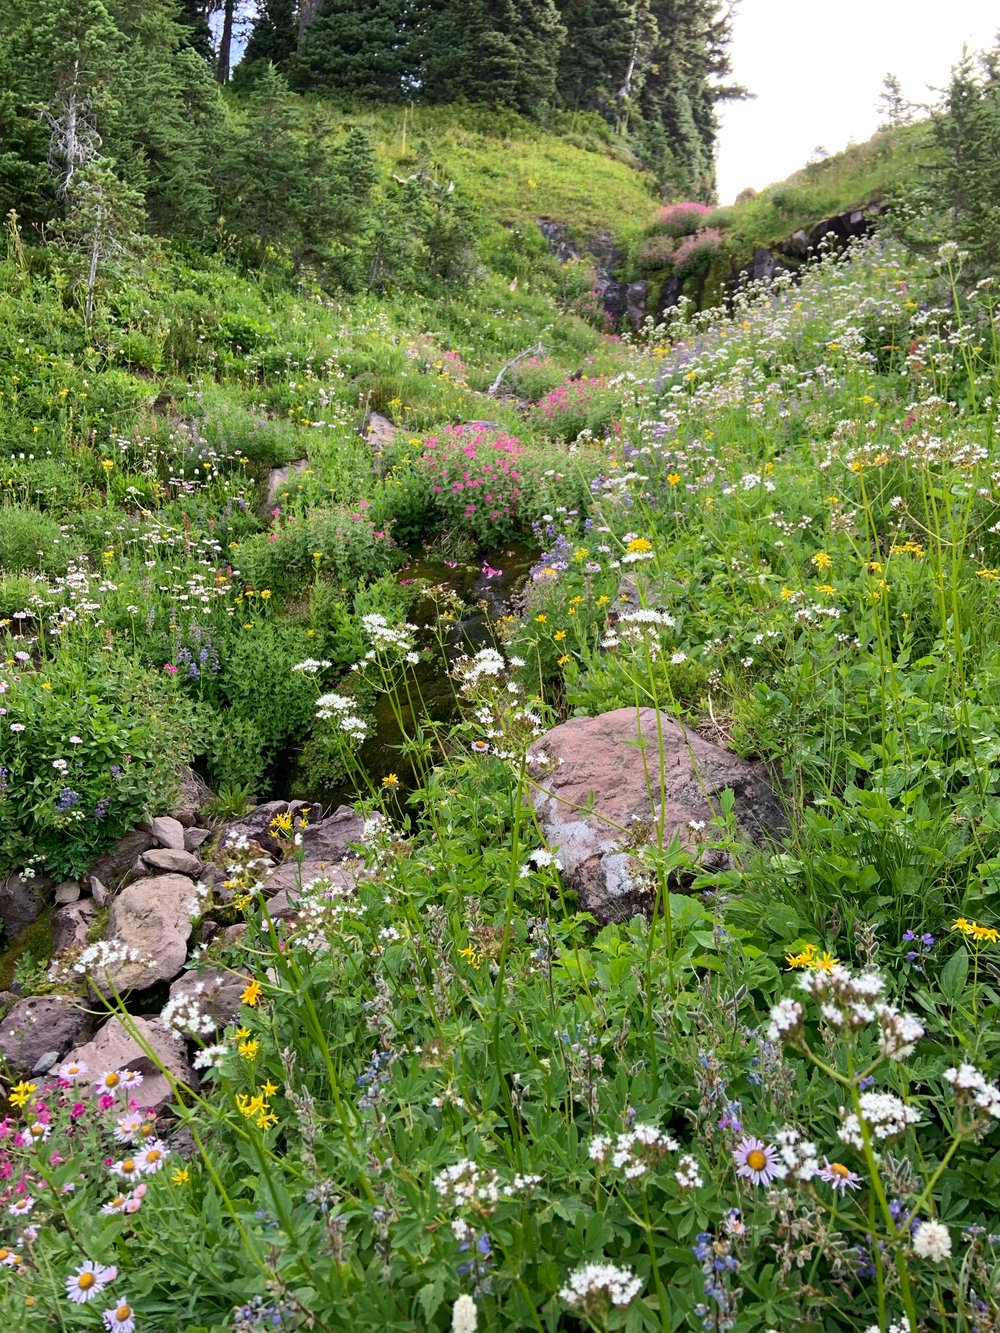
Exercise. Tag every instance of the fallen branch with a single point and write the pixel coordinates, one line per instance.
(537, 350)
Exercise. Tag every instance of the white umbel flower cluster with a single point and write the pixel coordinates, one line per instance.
(849, 1001)
(902, 1327)
(339, 706)
(596, 1286)
(932, 1240)
(464, 1315)
(633, 1152)
(886, 1116)
(970, 1087)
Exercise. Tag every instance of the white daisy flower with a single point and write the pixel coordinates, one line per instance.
(89, 1281)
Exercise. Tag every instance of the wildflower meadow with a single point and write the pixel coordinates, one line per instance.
(499, 826)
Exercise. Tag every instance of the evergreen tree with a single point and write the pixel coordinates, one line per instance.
(102, 229)
(63, 62)
(169, 120)
(965, 177)
(274, 36)
(269, 180)
(594, 59)
(503, 52)
(356, 53)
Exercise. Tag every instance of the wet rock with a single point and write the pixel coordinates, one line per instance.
(167, 831)
(152, 918)
(171, 859)
(192, 795)
(112, 867)
(114, 1048)
(22, 901)
(597, 805)
(71, 925)
(38, 1026)
(330, 839)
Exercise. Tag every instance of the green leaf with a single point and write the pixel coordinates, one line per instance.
(954, 975)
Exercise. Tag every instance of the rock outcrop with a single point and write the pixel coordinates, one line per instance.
(606, 786)
(621, 300)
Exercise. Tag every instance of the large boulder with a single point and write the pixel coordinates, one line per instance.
(114, 1048)
(605, 787)
(255, 825)
(39, 1026)
(213, 990)
(152, 918)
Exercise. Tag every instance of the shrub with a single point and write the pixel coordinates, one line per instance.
(657, 251)
(340, 544)
(680, 219)
(28, 540)
(82, 757)
(695, 253)
(475, 479)
(576, 405)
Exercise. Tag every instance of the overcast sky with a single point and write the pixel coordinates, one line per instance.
(817, 70)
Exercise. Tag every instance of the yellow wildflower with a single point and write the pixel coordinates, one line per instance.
(181, 1177)
(20, 1093)
(673, 478)
(559, 635)
(251, 993)
(822, 560)
(639, 544)
(390, 782)
(972, 930)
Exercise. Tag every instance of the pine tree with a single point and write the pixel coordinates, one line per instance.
(274, 36)
(356, 53)
(502, 52)
(268, 177)
(169, 121)
(102, 228)
(594, 59)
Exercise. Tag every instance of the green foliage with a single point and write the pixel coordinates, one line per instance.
(82, 756)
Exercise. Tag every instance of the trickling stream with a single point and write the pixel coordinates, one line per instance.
(486, 591)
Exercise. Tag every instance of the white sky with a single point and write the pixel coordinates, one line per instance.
(817, 69)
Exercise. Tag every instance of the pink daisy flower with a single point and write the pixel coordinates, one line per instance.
(21, 1207)
(71, 1071)
(837, 1175)
(756, 1161)
(120, 1318)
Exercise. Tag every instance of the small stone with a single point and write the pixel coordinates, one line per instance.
(195, 838)
(173, 860)
(98, 891)
(71, 925)
(45, 1062)
(67, 892)
(167, 831)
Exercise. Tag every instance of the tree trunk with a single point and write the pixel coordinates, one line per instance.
(226, 42)
(72, 147)
(307, 12)
(95, 250)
